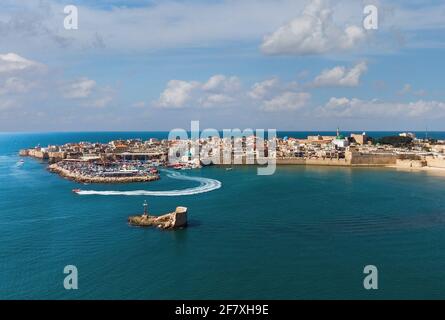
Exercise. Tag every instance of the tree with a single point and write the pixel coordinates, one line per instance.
(396, 141)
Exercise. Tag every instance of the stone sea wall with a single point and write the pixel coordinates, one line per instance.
(92, 179)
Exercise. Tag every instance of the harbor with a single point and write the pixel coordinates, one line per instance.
(137, 160)
(120, 172)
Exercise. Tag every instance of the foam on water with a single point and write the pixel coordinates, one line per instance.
(205, 185)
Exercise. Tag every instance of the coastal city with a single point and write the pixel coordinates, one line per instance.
(136, 160)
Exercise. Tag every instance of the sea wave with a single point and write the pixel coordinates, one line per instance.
(205, 185)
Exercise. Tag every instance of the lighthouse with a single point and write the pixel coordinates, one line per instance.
(145, 205)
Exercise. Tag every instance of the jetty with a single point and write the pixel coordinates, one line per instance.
(82, 175)
(169, 221)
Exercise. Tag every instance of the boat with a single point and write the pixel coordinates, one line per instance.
(76, 190)
(229, 169)
(20, 163)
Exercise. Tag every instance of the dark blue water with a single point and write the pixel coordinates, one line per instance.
(305, 232)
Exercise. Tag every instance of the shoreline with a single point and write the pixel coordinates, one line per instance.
(54, 168)
(426, 169)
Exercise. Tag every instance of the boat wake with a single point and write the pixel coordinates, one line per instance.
(205, 185)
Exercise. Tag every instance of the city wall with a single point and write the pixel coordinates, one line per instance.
(351, 159)
(370, 159)
(316, 162)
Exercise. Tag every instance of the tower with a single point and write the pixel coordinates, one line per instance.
(145, 205)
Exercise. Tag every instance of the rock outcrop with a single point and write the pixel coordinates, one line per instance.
(174, 220)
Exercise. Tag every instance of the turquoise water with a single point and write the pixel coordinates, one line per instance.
(305, 232)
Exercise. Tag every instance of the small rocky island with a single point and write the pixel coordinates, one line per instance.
(170, 221)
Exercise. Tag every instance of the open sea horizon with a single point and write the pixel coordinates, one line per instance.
(305, 232)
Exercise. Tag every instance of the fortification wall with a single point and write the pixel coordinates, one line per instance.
(328, 162)
(291, 161)
(315, 162)
(371, 159)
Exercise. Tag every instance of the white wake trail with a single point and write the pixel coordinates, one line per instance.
(205, 185)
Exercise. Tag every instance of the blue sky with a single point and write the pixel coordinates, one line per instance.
(284, 64)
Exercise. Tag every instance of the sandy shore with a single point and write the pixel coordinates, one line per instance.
(432, 170)
(91, 179)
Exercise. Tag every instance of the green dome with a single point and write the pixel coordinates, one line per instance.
(340, 137)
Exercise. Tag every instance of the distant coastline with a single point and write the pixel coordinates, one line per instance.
(137, 160)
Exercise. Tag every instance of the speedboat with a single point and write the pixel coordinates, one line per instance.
(76, 190)
(229, 169)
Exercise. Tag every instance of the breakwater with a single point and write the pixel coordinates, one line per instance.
(83, 178)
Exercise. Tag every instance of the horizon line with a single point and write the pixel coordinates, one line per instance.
(219, 130)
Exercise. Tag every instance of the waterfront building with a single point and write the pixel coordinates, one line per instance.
(360, 139)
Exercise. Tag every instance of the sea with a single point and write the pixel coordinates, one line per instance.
(305, 232)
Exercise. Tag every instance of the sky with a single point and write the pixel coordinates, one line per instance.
(150, 65)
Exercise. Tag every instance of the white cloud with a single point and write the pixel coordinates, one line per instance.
(261, 89)
(15, 85)
(220, 82)
(30, 87)
(78, 89)
(35, 25)
(154, 25)
(274, 96)
(12, 62)
(340, 76)
(177, 93)
(313, 32)
(216, 99)
(222, 91)
(356, 108)
(287, 101)
(218, 90)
